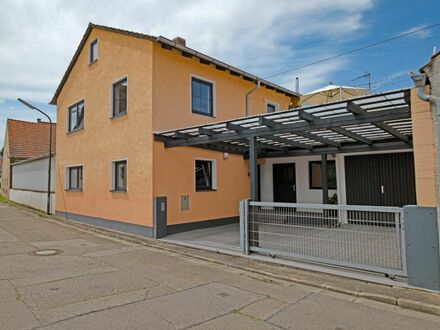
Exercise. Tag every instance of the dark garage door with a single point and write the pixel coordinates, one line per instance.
(383, 179)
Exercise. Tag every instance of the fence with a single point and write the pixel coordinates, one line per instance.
(362, 237)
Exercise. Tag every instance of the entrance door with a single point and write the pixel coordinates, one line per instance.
(383, 179)
(284, 183)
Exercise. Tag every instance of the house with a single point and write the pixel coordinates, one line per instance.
(331, 93)
(119, 89)
(158, 139)
(24, 141)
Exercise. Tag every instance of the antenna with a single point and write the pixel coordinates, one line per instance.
(368, 76)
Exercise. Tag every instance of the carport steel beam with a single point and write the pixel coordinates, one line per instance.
(298, 127)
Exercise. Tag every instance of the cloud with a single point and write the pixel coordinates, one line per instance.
(263, 37)
(421, 34)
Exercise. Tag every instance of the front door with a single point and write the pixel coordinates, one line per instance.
(284, 183)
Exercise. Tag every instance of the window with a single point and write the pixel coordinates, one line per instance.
(75, 178)
(315, 174)
(120, 98)
(205, 175)
(93, 51)
(119, 175)
(270, 108)
(76, 117)
(202, 97)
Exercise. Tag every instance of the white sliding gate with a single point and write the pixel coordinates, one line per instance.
(361, 237)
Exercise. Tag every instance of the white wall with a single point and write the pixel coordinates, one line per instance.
(34, 199)
(29, 183)
(32, 174)
(303, 193)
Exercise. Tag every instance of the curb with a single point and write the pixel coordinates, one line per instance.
(390, 300)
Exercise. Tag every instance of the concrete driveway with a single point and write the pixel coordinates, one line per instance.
(100, 283)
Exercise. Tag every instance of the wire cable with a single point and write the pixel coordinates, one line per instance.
(354, 50)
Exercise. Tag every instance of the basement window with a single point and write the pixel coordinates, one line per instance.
(74, 178)
(205, 175)
(119, 175)
(76, 117)
(315, 174)
(119, 97)
(93, 51)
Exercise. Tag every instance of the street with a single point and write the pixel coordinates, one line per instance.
(95, 282)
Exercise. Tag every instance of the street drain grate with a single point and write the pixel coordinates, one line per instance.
(46, 253)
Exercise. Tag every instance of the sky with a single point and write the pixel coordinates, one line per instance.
(39, 38)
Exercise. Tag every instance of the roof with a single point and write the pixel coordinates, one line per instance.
(167, 43)
(367, 123)
(29, 139)
(331, 87)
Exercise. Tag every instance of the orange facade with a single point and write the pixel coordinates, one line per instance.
(159, 98)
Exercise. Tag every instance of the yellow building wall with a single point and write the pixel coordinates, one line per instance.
(174, 167)
(103, 139)
(424, 152)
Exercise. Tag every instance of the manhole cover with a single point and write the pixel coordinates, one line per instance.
(45, 253)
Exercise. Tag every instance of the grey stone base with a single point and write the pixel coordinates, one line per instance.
(179, 228)
(106, 223)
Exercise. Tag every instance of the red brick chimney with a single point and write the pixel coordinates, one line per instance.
(180, 41)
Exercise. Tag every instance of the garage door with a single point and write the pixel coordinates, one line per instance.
(383, 179)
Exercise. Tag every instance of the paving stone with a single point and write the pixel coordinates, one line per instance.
(234, 321)
(190, 307)
(328, 311)
(264, 309)
(93, 305)
(13, 312)
(57, 293)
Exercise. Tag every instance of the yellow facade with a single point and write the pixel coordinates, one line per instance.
(159, 98)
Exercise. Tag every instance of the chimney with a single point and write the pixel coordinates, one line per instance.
(180, 41)
(39, 120)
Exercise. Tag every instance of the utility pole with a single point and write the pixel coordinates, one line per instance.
(367, 75)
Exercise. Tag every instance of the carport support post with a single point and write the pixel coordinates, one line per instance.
(324, 182)
(253, 177)
(253, 167)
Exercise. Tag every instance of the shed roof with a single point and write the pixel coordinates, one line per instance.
(169, 44)
(29, 139)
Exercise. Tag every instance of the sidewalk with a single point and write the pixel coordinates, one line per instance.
(105, 279)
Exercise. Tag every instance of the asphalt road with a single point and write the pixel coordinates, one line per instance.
(102, 283)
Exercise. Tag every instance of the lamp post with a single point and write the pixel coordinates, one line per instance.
(50, 149)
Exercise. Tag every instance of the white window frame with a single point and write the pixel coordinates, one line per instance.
(113, 172)
(214, 174)
(111, 116)
(276, 105)
(214, 96)
(90, 51)
(67, 177)
(68, 116)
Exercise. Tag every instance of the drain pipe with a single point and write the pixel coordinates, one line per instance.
(420, 83)
(248, 94)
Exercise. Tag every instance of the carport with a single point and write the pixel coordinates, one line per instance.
(373, 123)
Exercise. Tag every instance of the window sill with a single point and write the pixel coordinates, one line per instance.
(206, 190)
(118, 190)
(73, 190)
(211, 115)
(90, 63)
(119, 115)
(75, 130)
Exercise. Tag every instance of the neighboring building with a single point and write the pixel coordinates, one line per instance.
(29, 182)
(24, 140)
(331, 93)
(119, 89)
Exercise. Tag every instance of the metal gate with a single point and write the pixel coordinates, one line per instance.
(361, 237)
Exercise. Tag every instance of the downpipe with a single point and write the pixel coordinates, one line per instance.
(248, 94)
(420, 83)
